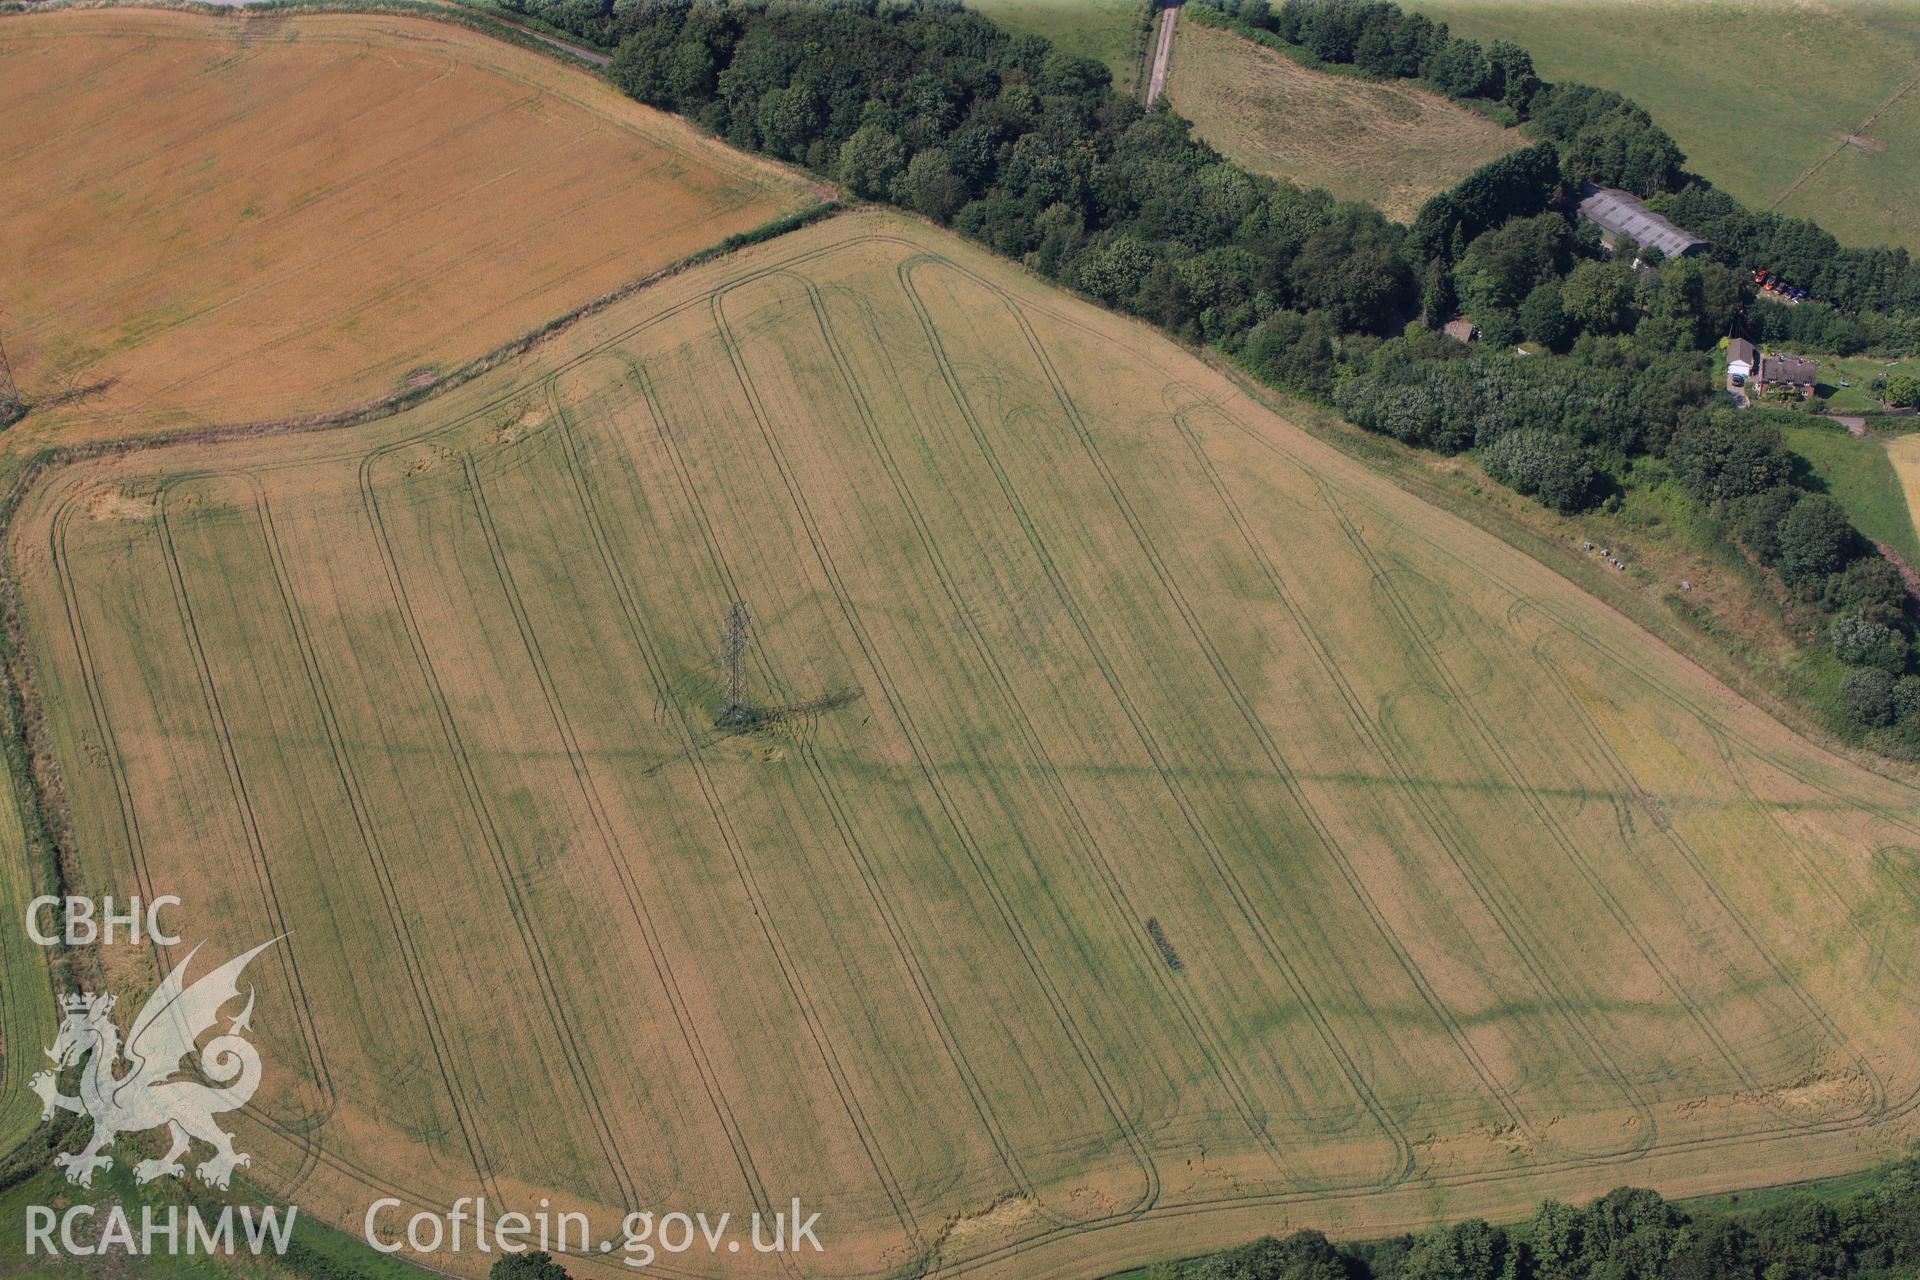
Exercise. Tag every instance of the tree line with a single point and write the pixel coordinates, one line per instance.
(925, 104)
(1739, 466)
(1604, 138)
(1628, 1234)
(1023, 147)
(1029, 150)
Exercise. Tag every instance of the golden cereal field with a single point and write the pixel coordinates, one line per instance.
(246, 218)
(1178, 831)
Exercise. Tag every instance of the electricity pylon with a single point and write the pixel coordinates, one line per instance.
(734, 643)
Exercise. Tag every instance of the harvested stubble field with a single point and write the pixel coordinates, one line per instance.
(1390, 144)
(1477, 892)
(253, 216)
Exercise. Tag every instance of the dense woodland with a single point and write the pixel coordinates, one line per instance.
(1626, 1235)
(1028, 149)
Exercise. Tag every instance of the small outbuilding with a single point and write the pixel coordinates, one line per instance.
(1621, 213)
(1783, 370)
(1461, 329)
(1740, 358)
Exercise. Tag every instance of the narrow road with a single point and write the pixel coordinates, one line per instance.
(1162, 54)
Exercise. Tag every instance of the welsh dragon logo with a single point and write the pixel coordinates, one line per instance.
(154, 1090)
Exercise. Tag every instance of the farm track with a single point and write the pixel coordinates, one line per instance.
(1496, 898)
(479, 811)
(611, 846)
(1162, 53)
(898, 933)
(1039, 762)
(1491, 743)
(1258, 731)
(950, 811)
(645, 644)
(1126, 917)
(1249, 912)
(458, 1095)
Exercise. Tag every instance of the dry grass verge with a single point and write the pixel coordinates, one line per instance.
(1389, 144)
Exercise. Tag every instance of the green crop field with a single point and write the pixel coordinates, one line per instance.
(1811, 108)
(1157, 828)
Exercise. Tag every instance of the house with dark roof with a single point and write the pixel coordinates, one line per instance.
(1622, 214)
(1778, 369)
(1740, 358)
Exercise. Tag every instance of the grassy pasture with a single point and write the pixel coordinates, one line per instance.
(1861, 476)
(249, 217)
(1390, 144)
(1104, 30)
(1476, 892)
(1814, 107)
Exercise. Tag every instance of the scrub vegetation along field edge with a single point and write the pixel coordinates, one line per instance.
(1150, 825)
